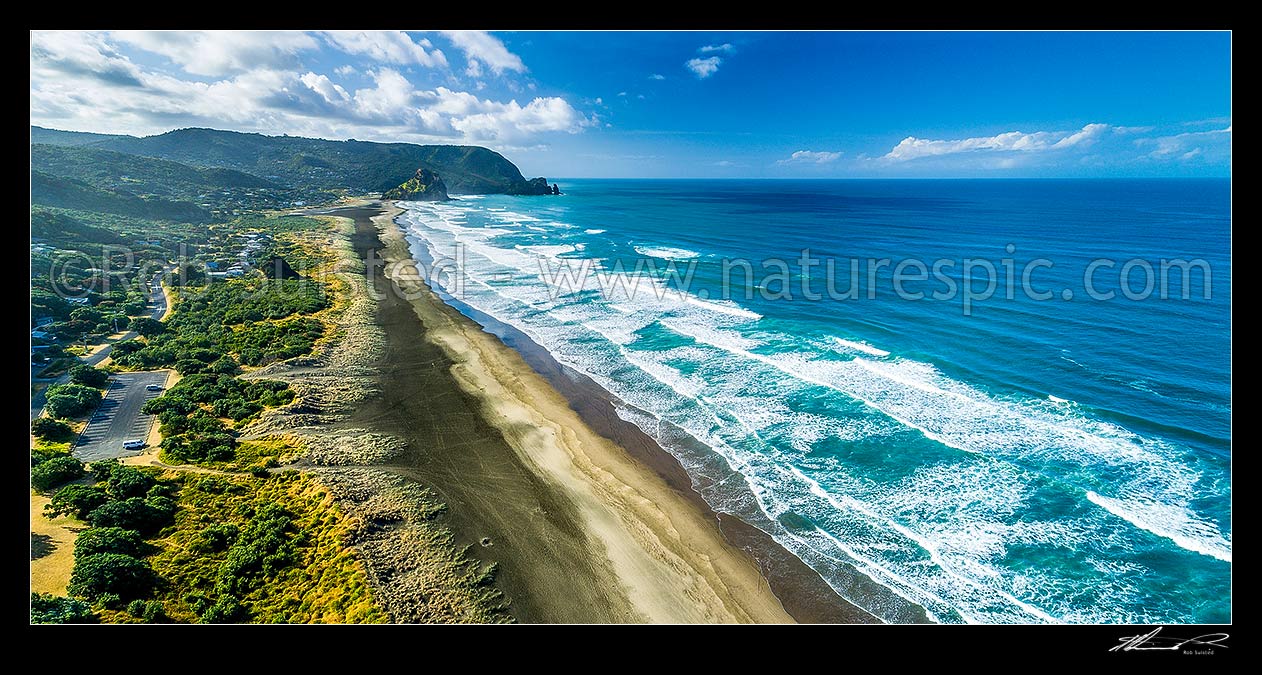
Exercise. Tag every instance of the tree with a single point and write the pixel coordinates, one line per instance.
(128, 481)
(46, 608)
(71, 400)
(49, 429)
(148, 327)
(113, 573)
(108, 540)
(77, 499)
(56, 471)
(132, 514)
(89, 376)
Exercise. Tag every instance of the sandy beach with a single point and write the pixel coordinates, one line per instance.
(580, 529)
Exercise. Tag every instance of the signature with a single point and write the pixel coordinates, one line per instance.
(1153, 641)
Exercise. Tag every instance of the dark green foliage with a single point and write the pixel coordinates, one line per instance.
(49, 429)
(70, 400)
(226, 609)
(89, 376)
(68, 193)
(216, 538)
(56, 471)
(265, 546)
(150, 611)
(357, 165)
(55, 226)
(128, 481)
(108, 540)
(145, 516)
(147, 327)
(79, 500)
(115, 574)
(46, 608)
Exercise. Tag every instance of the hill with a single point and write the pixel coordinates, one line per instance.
(360, 166)
(68, 193)
(59, 137)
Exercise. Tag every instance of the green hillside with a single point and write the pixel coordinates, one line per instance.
(356, 165)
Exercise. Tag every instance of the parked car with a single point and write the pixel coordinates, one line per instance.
(153, 387)
(134, 444)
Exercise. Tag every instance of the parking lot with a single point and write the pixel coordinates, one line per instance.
(118, 419)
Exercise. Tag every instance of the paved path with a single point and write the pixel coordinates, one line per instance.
(118, 418)
(158, 307)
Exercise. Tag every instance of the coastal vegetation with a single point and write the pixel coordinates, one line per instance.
(241, 538)
(177, 546)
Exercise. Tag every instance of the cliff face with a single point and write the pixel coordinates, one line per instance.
(425, 186)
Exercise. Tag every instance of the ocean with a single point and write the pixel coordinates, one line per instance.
(1054, 446)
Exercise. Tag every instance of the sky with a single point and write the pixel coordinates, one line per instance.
(678, 104)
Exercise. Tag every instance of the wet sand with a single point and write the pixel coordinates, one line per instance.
(587, 518)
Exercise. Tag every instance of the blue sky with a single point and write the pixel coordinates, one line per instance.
(678, 104)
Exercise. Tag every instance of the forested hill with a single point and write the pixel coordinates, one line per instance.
(360, 166)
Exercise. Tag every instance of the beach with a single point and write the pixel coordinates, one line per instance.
(580, 530)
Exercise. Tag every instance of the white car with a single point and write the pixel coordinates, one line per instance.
(153, 387)
(134, 444)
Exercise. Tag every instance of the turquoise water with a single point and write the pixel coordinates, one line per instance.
(1010, 459)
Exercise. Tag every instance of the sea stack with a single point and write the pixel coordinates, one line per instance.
(425, 186)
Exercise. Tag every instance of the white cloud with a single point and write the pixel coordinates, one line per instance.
(216, 53)
(346, 70)
(322, 85)
(811, 157)
(386, 46)
(704, 68)
(622, 93)
(725, 48)
(481, 46)
(84, 81)
(1013, 141)
(656, 76)
(1188, 145)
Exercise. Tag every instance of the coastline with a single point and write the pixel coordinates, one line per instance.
(622, 500)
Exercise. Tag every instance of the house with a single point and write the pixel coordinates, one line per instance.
(43, 321)
(41, 335)
(78, 301)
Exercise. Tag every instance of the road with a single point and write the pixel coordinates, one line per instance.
(157, 307)
(119, 418)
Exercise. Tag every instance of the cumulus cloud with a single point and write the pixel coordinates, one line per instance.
(911, 148)
(704, 68)
(656, 76)
(216, 53)
(88, 82)
(346, 70)
(485, 49)
(811, 157)
(386, 46)
(725, 48)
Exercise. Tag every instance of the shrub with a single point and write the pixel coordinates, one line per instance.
(77, 499)
(49, 429)
(46, 608)
(108, 540)
(97, 575)
(71, 400)
(130, 514)
(56, 471)
(127, 481)
(226, 609)
(89, 376)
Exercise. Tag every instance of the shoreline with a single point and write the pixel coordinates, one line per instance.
(617, 457)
